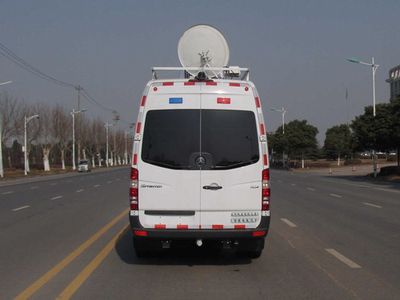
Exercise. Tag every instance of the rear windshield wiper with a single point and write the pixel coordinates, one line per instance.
(234, 165)
(163, 164)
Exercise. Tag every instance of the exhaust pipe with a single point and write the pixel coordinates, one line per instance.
(199, 242)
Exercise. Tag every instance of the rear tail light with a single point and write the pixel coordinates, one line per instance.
(259, 233)
(134, 190)
(266, 191)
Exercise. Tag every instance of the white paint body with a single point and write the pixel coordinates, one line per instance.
(182, 190)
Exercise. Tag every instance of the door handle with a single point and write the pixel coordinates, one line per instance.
(212, 186)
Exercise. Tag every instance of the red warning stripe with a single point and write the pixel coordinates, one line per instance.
(160, 226)
(217, 226)
(240, 226)
(143, 101)
(182, 226)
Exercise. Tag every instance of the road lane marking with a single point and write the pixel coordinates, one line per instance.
(336, 195)
(372, 205)
(56, 197)
(117, 179)
(35, 286)
(19, 208)
(75, 284)
(343, 259)
(110, 181)
(7, 193)
(34, 187)
(386, 190)
(293, 184)
(289, 223)
(96, 186)
(311, 189)
(80, 190)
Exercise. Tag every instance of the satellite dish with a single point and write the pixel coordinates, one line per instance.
(203, 46)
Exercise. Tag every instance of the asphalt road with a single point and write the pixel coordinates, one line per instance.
(330, 238)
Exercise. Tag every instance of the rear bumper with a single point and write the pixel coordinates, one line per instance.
(259, 232)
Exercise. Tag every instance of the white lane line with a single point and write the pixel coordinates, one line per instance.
(80, 190)
(293, 184)
(56, 197)
(336, 195)
(386, 190)
(19, 208)
(109, 181)
(96, 186)
(311, 189)
(7, 193)
(372, 205)
(54, 183)
(34, 187)
(343, 259)
(289, 223)
(117, 179)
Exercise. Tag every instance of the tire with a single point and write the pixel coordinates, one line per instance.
(251, 248)
(143, 247)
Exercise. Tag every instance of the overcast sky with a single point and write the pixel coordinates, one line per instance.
(296, 50)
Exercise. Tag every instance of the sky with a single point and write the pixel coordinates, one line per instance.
(295, 50)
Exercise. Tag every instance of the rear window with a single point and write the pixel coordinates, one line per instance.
(200, 139)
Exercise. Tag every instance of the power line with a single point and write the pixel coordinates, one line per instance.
(7, 53)
(10, 55)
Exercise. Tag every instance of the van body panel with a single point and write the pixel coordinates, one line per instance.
(164, 190)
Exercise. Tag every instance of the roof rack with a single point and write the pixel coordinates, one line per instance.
(225, 72)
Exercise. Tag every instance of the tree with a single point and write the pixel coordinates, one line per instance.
(47, 137)
(338, 141)
(298, 141)
(374, 132)
(62, 130)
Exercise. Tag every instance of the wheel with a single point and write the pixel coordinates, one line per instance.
(251, 248)
(143, 247)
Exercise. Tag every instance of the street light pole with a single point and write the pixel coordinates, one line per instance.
(73, 113)
(1, 137)
(374, 67)
(283, 112)
(107, 125)
(26, 121)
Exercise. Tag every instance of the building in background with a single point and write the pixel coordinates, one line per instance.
(394, 81)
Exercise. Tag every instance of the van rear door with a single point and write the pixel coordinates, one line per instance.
(169, 194)
(231, 181)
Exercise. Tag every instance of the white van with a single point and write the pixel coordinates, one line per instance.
(200, 167)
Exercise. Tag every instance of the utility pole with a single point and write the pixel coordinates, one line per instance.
(79, 89)
(115, 121)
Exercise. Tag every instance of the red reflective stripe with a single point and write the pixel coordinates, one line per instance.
(259, 233)
(217, 226)
(134, 159)
(234, 84)
(168, 83)
(240, 226)
(211, 83)
(160, 226)
(224, 100)
(262, 129)
(257, 101)
(189, 83)
(140, 233)
(182, 226)
(138, 127)
(265, 156)
(143, 101)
